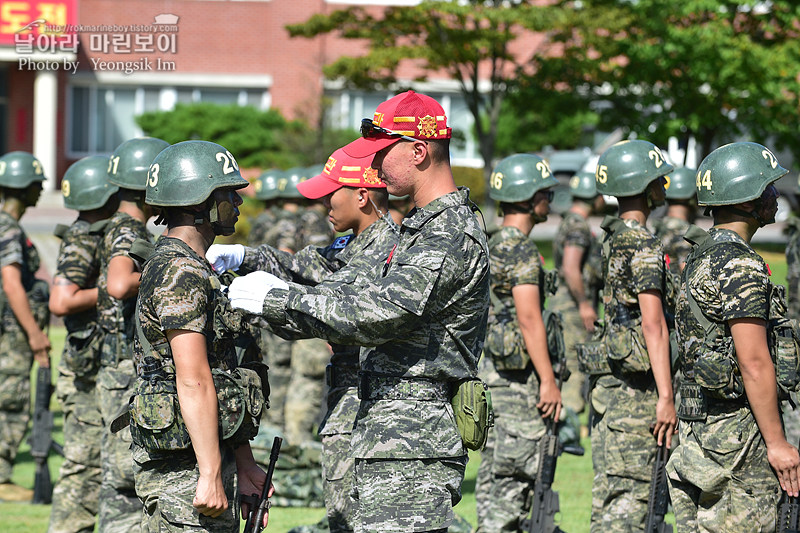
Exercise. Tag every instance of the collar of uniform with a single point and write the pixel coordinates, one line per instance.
(422, 215)
(366, 238)
(726, 235)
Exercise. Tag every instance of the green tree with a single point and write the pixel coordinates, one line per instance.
(467, 41)
(263, 139)
(716, 70)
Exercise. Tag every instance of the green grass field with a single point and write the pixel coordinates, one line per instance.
(573, 474)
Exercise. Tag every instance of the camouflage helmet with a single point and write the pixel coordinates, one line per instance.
(266, 185)
(736, 173)
(20, 169)
(85, 185)
(188, 172)
(518, 177)
(129, 164)
(680, 184)
(582, 185)
(628, 167)
(288, 184)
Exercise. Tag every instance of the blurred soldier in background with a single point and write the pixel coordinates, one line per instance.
(85, 188)
(118, 286)
(681, 211)
(633, 400)
(266, 190)
(23, 311)
(791, 415)
(572, 247)
(516, 363)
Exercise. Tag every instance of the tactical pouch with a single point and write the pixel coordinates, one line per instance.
(784, 343)
(592, 358)
(240, 400)
(626, 347)
(556, 347)
(155, 417)
(692, 405)
(82, 350)
(39, 298)
(472, 406)
(505, 345)
(717, 370)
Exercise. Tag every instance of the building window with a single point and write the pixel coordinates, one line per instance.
(102, 117)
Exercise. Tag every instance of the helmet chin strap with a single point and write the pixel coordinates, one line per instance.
(752, 214)
(214, 218)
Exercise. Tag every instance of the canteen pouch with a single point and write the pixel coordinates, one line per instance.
(717, 371)
(556, 346)
(472, 407)
(155, 418)
(626, 347)
(82, 351)
(505, 345)
(240, 400)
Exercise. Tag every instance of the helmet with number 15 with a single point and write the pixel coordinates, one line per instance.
(628, 167)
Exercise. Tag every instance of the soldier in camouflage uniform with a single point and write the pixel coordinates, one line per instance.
(681, 208)
(117, 287)
(357, 201)
(187, 476)
(85, 187)
(791, 416)
(266, 190)
(722, 474)
(425, 316)
(572, 247)
(23, 314)
(634, 400)
(521, 378)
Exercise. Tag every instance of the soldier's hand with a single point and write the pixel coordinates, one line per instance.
(549, 400)
(251, 481)
(785, 460)
(210, 498)
(588, 315)
(40, 346)
(666, 421)
(248, 292)
(224, 257)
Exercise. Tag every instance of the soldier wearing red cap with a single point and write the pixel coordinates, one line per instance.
(424, 316)
(356, 200)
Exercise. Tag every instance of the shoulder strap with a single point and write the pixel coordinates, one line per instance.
(141, 250)
(61, 230)
(99, 227)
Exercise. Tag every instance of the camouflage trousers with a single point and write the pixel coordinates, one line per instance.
(719, 475)
(574, 332)
(77, 491)
(791, 422)
(167, 487)
(405, 495)
(278, 357)
(303, 404)
(507, 487)
(627, 455)
(338, 465)
(16, 360)
(120, 509)
(599, 399)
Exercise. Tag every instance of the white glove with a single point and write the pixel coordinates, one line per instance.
(225, 257)
(249, 292)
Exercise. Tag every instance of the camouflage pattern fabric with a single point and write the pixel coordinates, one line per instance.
(302, 410)
(430, 291)
(670, 231)
(16, 357)
(261, 227)
(518, 426)
(572, 231)
(176, 292)
(314, 226)
(620, 490)
(720, 479)
(791, 417)
(76, 493)
(298, 473)
(120, 509)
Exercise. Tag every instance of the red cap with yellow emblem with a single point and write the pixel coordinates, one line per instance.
(341, 170)
(410, 116)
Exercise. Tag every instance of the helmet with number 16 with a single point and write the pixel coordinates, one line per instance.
(518, 177)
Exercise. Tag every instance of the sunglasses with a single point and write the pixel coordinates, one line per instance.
(549, 194)
(370, 130)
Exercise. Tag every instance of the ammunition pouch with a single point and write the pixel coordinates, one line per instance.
(592, 355)
(556, 347)
(783, 336)
(472, 407)
(39, 299)
(693, 405)
(82, 349)
(717, 370)
(625, 344)
(505, 345)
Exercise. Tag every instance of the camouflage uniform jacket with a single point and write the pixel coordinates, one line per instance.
(116, 316)
(315, 230)
(727, 283)
(284, 232)
(261, 227)
(573, 231)
(671, 231)
(425, 313)
(17, 248)
(793, 267)
(79, 263)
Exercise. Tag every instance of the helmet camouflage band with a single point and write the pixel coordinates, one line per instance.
(266, 185)
(736, 173)
(628, 167)
(128, 165)
(187, 173)
(85, 185)
(582, 185)
(680, 184)
(518, 177)
(288, 184)
(20, 169)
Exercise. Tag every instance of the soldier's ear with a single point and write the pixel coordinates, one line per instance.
(363, 196)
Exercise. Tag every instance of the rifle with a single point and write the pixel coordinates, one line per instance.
(788, 514)
(260, 506)
(41, 439)
(659, 496)
(545, 500)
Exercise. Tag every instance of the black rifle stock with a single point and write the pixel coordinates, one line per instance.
(259, 506)
(41, 439)
(545, 499)
(659, 495)
(789, 514)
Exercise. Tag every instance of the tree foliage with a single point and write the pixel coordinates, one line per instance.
(263, 139)
(716, 70)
